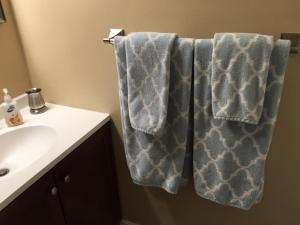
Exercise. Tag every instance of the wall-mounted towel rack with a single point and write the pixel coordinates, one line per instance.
(293, 37)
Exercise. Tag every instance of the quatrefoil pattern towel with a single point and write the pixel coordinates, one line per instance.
(229, 156)
(240, 65)
(158, 160)
(148, 73)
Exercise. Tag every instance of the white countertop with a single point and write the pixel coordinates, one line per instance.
(72, 126)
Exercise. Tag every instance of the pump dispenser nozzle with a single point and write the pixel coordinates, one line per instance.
(7, 97)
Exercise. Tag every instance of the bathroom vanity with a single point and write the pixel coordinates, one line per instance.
(73, 183)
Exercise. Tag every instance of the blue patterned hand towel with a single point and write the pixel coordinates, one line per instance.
(229, 156)
(148, 74)
(240, 65)
(158, 160)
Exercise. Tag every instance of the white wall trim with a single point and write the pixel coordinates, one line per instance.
(127, 222)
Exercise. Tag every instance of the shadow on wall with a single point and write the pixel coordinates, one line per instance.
(14, 73)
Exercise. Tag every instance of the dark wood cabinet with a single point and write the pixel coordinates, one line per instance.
(38, 205)
(79, 190)
(84, 182)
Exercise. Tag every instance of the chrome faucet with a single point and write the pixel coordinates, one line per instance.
(35, 101)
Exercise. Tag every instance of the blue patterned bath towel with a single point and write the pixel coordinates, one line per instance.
(240, 65)
(148, 63)
(158, 160)
(229, 156)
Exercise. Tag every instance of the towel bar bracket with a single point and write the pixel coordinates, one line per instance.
(112, 34)
(295, 41)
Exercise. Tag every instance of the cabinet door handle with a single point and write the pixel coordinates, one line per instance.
(54, 191)
(67, 179)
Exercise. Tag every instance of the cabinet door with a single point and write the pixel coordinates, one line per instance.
(38, 205)
(84, 182)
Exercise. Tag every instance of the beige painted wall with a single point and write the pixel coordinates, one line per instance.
(62, 41)
(13, 68)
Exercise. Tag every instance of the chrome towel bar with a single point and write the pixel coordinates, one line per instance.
(293, 37)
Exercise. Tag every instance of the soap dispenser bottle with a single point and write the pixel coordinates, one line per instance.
(12, 114)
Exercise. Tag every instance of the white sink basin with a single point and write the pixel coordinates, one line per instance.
(21, 147)
(32, 149)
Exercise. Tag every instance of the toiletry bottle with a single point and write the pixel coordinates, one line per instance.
(12, 115)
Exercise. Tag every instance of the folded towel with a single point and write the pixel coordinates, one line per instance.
(148, 74)
(229, 156)
(158, 160)
(240, 65)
